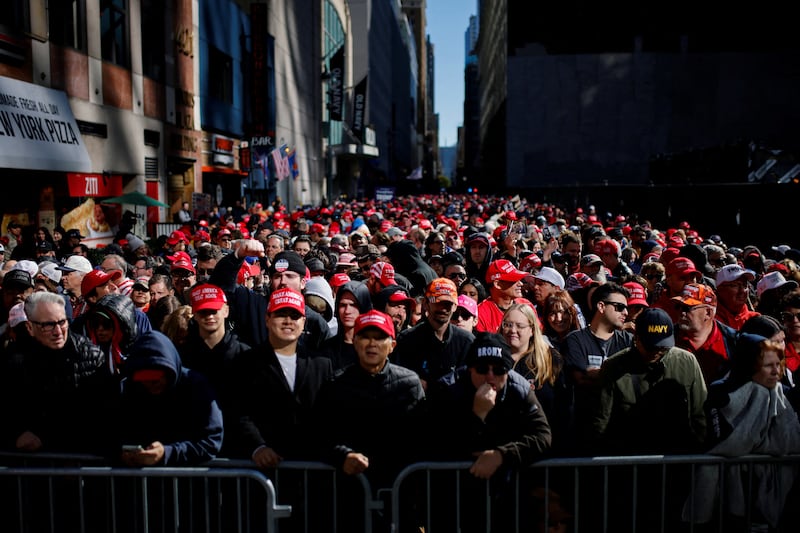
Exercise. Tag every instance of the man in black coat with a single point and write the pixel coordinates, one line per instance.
(276, 385)
(368, 417)
(487, 413)
(211, 346)
(59, 391)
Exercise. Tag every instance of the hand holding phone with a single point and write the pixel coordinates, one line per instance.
(131, 448)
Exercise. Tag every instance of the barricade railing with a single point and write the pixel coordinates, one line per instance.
(594, 494)
(55, 492)
(159, 499)
(318, 493)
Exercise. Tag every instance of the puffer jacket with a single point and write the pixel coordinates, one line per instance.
(65, 397)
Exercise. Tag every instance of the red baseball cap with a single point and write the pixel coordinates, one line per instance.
(374, 319)
(175, 237)
(97, 278)
(383, 272)
(287, 299)
(530, 263)
(207, 296)
(681, 266)
(504, 270)
(337, 280)
(638, 296)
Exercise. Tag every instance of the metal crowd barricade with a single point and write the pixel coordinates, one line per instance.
(71, 499)
(314, 491)
(77, 493)
(593, 494)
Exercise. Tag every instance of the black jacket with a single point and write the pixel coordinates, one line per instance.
(408, 262)
(377, 415)
(214, 363)
(419, 349)
(66, 397)
(266, 412)
(517, 425)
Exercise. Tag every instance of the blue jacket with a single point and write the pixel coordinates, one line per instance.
(185, 418)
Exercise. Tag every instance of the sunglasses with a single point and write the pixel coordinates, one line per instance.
(618, 307)
(457, 275)
(653, 276)
(462, 315)
(205, 271)
(484, 368)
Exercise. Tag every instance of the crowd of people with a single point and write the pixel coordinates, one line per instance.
(507, 331)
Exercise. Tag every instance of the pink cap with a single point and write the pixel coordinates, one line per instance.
(469, 304)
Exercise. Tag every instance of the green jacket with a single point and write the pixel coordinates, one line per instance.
(650, 408)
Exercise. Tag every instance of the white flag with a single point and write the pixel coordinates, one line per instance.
(416, 174)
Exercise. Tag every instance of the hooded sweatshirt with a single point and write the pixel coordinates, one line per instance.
(407, 261)
(318, 286)
(122, 312)
(185, 417)
(341, 353)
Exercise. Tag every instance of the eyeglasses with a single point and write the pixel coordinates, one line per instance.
(683, 308)
(205, 271)
(618, 306)
(514, 325)
(789, 317)
(484, 368)
(48, 327)
(457, 275)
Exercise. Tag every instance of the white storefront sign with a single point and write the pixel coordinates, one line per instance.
(38, 130)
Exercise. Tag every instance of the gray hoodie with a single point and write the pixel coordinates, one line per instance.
(319, 286)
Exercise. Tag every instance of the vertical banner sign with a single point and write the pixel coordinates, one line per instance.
(336, 86)
(360, 108)
(260, 90)
(262, 129)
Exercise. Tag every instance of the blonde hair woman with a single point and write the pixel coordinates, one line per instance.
(539, 363)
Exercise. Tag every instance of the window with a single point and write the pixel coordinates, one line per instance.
(114, 32)
(67, 23)
(153, 39)
(220, 75)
